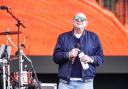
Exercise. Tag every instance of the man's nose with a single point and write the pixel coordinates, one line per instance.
(79, 20)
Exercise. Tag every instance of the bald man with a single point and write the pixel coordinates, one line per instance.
(78, 53)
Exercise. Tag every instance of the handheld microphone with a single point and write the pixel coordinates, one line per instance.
(4, 7)
(80, 54)
(77, 45)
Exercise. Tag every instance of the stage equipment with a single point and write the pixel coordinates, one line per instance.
(48, 85)
(28, 59)
(5, 51)
(21, 72)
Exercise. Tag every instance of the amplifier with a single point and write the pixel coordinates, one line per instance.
(48, 86)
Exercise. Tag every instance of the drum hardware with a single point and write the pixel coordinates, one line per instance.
(28, 59)
(20, 53)
(4, 60)
(27, 78)
(13, 83)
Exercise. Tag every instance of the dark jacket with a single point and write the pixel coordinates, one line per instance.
(90, 45)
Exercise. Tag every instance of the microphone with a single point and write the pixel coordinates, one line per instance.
(85, 65)
(77, 45)
(4, 7)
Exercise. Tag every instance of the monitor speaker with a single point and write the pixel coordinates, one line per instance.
(48, 86)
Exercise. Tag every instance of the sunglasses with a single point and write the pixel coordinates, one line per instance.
(78, 18)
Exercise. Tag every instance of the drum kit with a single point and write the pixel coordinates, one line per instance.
(23, 78)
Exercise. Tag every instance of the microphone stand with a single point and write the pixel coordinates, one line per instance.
(19, 52)
(18, 21)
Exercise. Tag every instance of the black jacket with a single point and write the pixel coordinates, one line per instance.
(90, 45)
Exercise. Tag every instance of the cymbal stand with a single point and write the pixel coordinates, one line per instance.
(20, 64)
(8, 67)
(19, 52)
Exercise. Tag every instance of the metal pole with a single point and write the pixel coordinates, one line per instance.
(4, 72)
(8, 66)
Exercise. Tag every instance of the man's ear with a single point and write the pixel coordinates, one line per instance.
(86, 23)
(73, 21)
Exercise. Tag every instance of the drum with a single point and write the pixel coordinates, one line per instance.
(26, 79)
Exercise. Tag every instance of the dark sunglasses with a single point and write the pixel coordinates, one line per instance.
(78, 18)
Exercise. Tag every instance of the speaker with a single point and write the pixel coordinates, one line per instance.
(48, 86)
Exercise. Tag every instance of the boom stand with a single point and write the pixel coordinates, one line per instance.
(19, 52)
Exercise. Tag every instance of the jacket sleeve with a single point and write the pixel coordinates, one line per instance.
(98, 57)
(59, 55)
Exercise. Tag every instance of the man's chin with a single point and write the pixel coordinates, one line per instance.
(80, 28)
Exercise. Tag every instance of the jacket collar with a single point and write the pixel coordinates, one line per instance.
(72, 32)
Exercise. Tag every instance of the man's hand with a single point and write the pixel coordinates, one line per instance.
(73, 54)
(85, 58)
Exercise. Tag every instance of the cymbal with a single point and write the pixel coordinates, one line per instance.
(9, 33)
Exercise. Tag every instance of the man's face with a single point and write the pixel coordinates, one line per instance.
(79, 22)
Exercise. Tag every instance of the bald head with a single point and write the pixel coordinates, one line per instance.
(80, 16)
(80, 21)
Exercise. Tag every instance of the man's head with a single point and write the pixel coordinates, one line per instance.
(80, 21)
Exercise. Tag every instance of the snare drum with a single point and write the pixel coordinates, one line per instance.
(26, 77)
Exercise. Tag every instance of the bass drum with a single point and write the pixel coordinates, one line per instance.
(14, 84)
(27, 78)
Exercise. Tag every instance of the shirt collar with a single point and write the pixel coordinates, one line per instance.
(82, 33)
